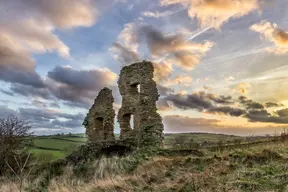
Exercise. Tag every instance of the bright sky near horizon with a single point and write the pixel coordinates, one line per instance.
(220, 65)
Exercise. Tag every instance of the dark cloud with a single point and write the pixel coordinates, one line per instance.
(21, 77)
(194, 101)
(7, 92)
(54, 104)
(6, 111)
(72, 123)
(181, 52)
(47, 118)
(78, 86)
(82, 79)
(249, 104)
(163, 105)
(272, 104)
(29, 91)
(227, 110)
(220, 99)
(264, 116)
(199, 100)
(163, 90)
(254, 105)
(124, 54)
(282, 112)
(213, 104)
(38, 103)
(28, 26)
(16, 66)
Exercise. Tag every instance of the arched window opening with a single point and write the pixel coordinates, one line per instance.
(99, 122)
(129, 120)
(132, 121)
(135, 88)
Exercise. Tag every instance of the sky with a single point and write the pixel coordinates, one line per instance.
(220, 65)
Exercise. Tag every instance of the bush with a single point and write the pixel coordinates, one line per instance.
(13, 136)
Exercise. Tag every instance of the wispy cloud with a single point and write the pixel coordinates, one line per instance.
(272, 33)
(125, 49)
(179, 51)
(216, 12)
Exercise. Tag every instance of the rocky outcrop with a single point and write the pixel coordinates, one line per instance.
(99, 122)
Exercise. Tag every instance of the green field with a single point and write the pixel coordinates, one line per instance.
(58, 146)
(55, 147)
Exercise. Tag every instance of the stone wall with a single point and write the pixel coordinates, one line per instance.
(99, 122)
(139, 95)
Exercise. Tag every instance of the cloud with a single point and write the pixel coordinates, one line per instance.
(163, 90)
(125, 49)
(51, 119)
(219, 99)
(157, 14)
(124, 54)
(242, 88)
(283, 112)
(16, 66)
(264, 116)
(249, 104)
(60, 13)
(184, 80)
(45, 118)
(226, 110)
(7, 92)
(273, 104)
(6, 111)
(162, 71)
(272, 33)
(38, 103)
(30, 91)
(77, 88)
(163, 105)
(179, 51)
(214, 13)
(225, 105)
(81, 86)
(28, 27)
(197, 101)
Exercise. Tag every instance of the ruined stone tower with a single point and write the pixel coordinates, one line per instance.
(99, 122)
(139, 95)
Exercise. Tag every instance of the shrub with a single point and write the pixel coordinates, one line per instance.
(14, 134)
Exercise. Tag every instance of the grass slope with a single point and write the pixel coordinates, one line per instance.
(261, 168)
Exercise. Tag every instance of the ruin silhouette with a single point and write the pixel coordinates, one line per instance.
(139, 96)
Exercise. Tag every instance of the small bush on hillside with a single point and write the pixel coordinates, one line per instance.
(13, 136)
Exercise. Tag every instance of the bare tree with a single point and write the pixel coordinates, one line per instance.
(13, 134)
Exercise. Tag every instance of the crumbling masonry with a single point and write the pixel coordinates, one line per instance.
(99, 122)
(139, 95)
